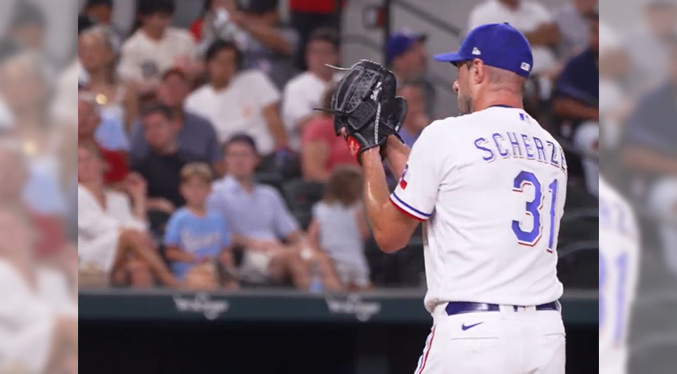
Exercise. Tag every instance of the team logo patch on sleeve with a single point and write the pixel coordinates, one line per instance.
(403, 181)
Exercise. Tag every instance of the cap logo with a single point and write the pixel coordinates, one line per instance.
(525, 66)
(476, 52)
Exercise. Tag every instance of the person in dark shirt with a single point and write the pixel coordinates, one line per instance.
(195, 134)
(649, 153)
(161, 168)
(576, 103)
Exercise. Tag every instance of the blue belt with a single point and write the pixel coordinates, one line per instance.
(460, 307)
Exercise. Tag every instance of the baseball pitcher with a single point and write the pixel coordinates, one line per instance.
(489, 187)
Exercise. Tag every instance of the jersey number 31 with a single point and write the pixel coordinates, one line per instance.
(534, 208)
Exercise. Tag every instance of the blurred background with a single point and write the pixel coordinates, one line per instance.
(209, 191)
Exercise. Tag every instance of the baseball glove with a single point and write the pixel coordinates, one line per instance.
(365, 106)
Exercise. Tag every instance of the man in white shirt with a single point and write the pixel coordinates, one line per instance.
(529, 17)
(237, 101)
(303, 93)
(156, 47)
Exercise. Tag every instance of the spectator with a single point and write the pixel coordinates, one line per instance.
(254, 27)
(416, 119)
(261, 224)
(156, 47)
(651, 38)
(407, 56)
(572, 20)
(339, 227)
(14, 175)
(203, 27)
(269, 46)
(25, 93)
(195, 134)
(88, 121)
(111, 235)
(27, 27)
(532, 19)
(649, 153)
(322, 150)
(303, 93)
(161, 168)
(576, 103)
(239, 101)
(309, 15)
(118, 101)
(37, 311)
(195, 236)
(101, 12)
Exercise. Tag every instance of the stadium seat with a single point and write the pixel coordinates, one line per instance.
(578, 265)
(579, 197)
(577, 225)
(301, 196)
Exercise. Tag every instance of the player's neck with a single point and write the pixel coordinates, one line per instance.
(498, 98)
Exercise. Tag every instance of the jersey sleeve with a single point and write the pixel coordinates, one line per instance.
(416, 191)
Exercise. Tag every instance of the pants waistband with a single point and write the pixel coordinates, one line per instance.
(460, 307)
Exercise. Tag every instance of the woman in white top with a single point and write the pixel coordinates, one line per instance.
(112, 236)
(98, 55)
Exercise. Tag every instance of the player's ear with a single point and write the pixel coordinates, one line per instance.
(477, 71)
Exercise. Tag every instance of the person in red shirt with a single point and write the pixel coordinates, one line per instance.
(88, 121)
(321, 149)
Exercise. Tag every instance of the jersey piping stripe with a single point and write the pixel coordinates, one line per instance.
(427, 352)
(410, 209)
(406, 212)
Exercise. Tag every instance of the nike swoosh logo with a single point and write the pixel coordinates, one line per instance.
(464, 327)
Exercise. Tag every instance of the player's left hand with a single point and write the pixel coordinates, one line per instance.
(366, 110)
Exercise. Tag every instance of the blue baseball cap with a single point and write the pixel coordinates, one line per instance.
(400, 42)
(496, 44)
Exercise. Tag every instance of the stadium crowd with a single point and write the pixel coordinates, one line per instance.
(203, 162)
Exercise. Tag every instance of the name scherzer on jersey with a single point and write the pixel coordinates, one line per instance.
(491, 186)
(618, 273)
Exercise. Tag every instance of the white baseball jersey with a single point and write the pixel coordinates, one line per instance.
(491, 186)
(618, 273)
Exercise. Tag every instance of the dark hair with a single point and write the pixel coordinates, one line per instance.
(93, 3)
(150, 7)
(242, 138)
(175, 71)
(344, 185)
(84, 23)
(27, 13)
(221, 45)
(258, 6)
(326, 34)
(153, 108)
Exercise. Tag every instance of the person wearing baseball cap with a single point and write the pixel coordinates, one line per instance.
(493, 63)
(407, 57)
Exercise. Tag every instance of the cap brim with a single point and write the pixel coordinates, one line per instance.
(452, 57)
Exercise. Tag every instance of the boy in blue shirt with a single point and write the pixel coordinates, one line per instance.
(196, 240)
